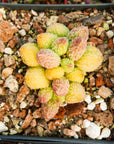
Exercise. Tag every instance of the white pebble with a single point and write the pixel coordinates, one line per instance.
(110, 34)
(91, 106)
(75, 128)
(12, 132)
(34, 12)
(86, 123)
(76, 136)
(113, 24)
(11, 83)
(6, 119)
(23, 104)
(22, 32)
(3, 127)
(97, 96)
(88, 99)
(93, 131)
(103, 106)
(105, 133)
(8, 51)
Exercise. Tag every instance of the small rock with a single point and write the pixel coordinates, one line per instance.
(33, 123)
(11, 83)
(98, 101)
(74, 109)
(23, 92)
(92, 32)
(23, 104)
(37, 113)
(99, 31)
(99, 82)
(3, 127)
(104, 118)
(9, 60)
(110, 34)
(103, 106)
(2, 91)
(19, 78)
(97, 108)
(6, 72)
(111, 65)
(104, 92)
(13, 132)
(22, 32)
(26, 27)
(71, 26)
(61, 113)
(76, 136)
(93, 20)
(86, 123)
(13, 42)
(30, 100)
(62, 19)
(112, 103)
(34, 12)
(42, 123)
(111, 44)
(22, 114)
(105, 133)
(27, 120)
(91, 106)
(16, 113)
(52, 20)
(108, 83)
(79, 122)
(88, 99)
(93, 131)
(51, 126)
(75, 128)
(91, 81)
(8, 51)
(96, 40)
(68, 132)
(40, 131)
(2, 46)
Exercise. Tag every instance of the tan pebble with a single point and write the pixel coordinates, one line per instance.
(2, 91)
(104, 92)
(23, 113)
(51, 126)
(33, 123)
(1, 81)
(9, 60)
(16, 113)
(37, 113)
(23, 92)
(68, 132)
(27, 120)
(6, 72)
(2, 46)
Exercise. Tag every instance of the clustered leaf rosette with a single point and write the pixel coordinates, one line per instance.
(48, 58)
(57, 66)
(60, 86)
(45, 40)
(81, 31)
(67, 64)
(45, 94)
(58, 29)
(60, 46)
(77, 48)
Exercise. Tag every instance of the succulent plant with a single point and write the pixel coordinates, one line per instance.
(79, 32)
(60, 46)
(48, 59)
(76, 75)
(75, 94)
(45, 94)
(91, 59)
(35, 78)
(67, 64)
(58, 29)
(54, 73)
(60, 86)
(28, 53)
(45, 40)
(49, 109)
(77, 48)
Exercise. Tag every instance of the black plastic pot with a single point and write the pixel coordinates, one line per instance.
(53, 140)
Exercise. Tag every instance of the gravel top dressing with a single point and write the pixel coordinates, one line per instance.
(57, 73)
